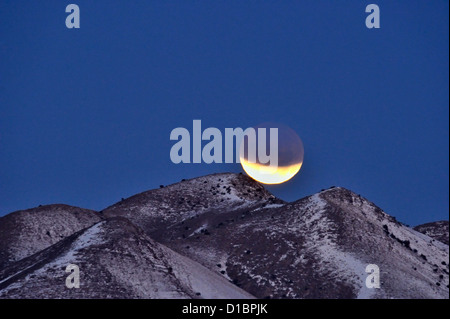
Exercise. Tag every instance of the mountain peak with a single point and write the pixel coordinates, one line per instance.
(188, 199)
(25, 232)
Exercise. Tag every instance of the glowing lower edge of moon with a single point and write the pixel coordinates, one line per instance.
(270, 175)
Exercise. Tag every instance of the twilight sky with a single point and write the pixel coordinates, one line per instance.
(86, 114)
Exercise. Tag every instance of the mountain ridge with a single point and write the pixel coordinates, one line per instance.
(236, 232)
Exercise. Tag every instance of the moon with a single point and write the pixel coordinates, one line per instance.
(290, 156)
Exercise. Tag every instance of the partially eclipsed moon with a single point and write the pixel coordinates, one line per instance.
(290, 156)
(267, 175)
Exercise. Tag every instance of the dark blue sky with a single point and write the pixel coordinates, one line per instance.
(85, 114)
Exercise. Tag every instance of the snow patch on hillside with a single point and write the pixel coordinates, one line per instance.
(205, 283)
(346, 265)
(89, 237)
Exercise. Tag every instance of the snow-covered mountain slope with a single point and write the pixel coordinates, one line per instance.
(210, 236)
(116, 260)
(436, 230)
(317, 247)
(26, 232)
(187, 200)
